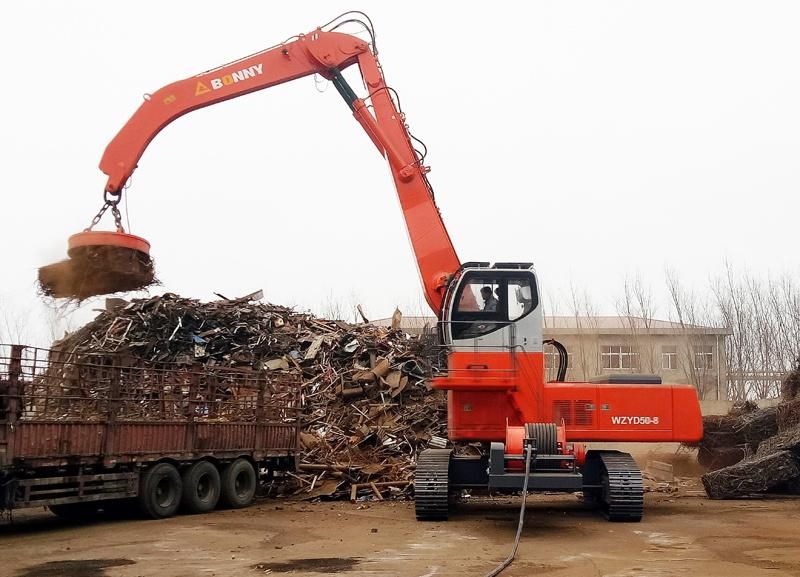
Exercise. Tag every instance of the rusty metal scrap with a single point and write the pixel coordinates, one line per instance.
(367, 407)
(96, 387)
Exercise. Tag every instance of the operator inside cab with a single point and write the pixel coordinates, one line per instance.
(490, 302)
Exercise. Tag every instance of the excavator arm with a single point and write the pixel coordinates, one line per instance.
(327, 54)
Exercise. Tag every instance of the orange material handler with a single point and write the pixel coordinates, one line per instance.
(490, 315)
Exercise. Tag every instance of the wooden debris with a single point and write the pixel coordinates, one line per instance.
(376, 487)
(730, 438)
(790, 387)
(361, 313)
(756, 475)
(375, 490)
(786, 441)
(788, 415)
(751, 450)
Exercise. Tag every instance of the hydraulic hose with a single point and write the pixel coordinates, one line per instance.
(563, 359)
(510, 558)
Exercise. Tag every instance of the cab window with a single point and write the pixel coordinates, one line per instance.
(520, 297)
(480, 295)
(480, 308)
(488, 302)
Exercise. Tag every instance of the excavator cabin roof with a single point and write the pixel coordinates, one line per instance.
(497, 265)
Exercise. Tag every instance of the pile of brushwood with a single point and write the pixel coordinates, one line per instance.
(367, 405)
(752, 450)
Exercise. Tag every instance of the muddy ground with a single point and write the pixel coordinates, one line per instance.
(680, 536)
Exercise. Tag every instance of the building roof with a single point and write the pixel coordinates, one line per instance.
(407, 322)
(626, 324)
(572, 324)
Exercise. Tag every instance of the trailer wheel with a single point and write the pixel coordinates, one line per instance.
(75, 511)
(160, 491)
(201, 487)
(239, 483)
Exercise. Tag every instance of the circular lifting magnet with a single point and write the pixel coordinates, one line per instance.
(90, 238)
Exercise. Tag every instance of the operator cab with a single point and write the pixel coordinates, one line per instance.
(492, 308)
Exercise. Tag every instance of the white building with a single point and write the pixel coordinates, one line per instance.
(617, 344)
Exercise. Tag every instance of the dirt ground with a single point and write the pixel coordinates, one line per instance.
(680, 536)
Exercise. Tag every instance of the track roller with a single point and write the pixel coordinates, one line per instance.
(431, 485)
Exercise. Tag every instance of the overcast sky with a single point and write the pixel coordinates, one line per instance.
(597, 139)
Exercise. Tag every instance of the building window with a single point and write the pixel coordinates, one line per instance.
(669, 358)
(617, 357)
(704, 357)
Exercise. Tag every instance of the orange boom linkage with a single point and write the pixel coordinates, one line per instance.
(326, 54)
(490, 315)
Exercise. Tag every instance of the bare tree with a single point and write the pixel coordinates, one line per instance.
(731, 305)
(58, 321)
(764, 318)
(636, 310)
(584, 358)
(761, 313)
(333, 308)
(694, 316)
(13, 325)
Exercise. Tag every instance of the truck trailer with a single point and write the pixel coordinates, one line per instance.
(81, 432)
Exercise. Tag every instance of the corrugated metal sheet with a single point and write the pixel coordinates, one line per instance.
(225, 436)
(142, 438)
(280, 437)
(137, 441)
(53, 440)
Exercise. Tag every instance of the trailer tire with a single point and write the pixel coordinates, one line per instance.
(76, 511)
(201, 487)
(160, 490)
(239, 484)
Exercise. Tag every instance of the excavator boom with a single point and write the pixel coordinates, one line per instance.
(327, 54)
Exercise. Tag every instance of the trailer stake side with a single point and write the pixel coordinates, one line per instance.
(84, 432)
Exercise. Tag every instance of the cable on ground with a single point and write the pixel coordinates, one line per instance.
(497, 570)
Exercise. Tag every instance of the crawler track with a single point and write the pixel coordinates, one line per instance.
(623, 490)
(431, 485)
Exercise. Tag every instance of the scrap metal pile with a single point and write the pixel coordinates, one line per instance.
(366, 405)
(754, 450)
